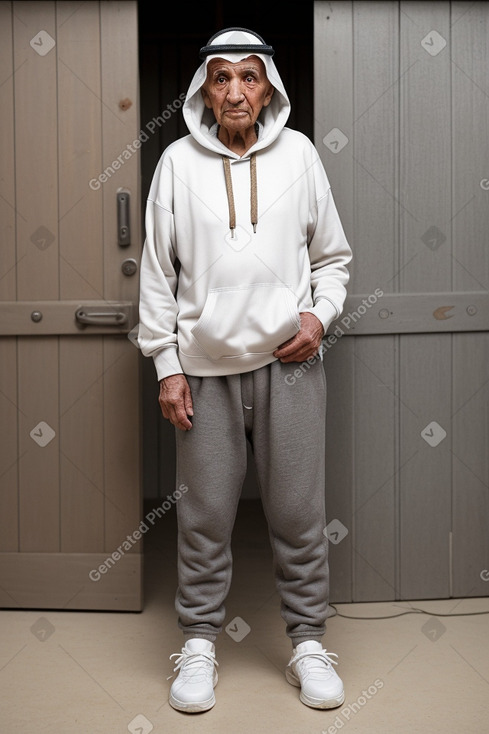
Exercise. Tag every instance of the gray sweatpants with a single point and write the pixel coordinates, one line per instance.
(284, 421)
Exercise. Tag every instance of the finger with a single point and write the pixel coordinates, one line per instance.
(298, 344)
(180, 417)
(175, 412)
(300, 355)
(288, 348)
(189, 408)
(295, 357)
(288, 342)
(184, 424)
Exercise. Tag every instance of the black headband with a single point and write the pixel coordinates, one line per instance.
(256, 48)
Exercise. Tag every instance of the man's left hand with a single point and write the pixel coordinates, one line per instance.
(305, 343)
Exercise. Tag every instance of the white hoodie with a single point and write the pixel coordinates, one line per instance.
(216, 301)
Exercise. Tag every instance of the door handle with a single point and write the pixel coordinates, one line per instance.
(123, 226)
(101, 317)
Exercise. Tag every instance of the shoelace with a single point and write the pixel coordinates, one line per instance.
(194, 661)
(324, 656)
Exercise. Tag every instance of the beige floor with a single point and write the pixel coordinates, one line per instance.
(91, 673)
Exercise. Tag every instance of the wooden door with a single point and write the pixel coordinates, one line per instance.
(70, 494)
(402, 123)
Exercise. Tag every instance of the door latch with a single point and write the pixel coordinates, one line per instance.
(123, 225)
(97, 316)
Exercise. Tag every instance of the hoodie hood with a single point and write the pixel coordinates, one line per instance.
(235, 44)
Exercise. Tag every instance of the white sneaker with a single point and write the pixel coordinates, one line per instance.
(311, 669)
(193, 689)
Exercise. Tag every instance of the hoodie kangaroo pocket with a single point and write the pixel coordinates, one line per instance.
(251, 319)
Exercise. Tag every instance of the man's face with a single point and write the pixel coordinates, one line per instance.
(237, 92)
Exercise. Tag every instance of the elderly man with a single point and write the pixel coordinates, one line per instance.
(243, 269)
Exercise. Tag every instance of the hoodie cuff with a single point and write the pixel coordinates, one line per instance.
(325, 311)
(167, 363)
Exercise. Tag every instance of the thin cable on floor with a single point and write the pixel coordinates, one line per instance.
(414, 610)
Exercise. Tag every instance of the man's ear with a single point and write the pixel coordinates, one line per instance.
(268, 96)
(206, 98)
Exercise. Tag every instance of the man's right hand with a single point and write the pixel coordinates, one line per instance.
(175, 401)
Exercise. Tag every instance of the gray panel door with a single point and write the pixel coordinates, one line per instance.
(402, 118)
(70, 490)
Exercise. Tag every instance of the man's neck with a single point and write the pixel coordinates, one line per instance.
(237, 141)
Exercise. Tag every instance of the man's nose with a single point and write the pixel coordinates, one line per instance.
(235, 92)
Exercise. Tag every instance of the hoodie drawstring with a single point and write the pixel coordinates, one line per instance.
(253, 193)
(229, 191)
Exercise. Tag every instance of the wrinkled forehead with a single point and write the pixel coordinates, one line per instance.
(221, 63)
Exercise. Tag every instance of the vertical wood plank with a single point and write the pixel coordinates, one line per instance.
(81, 445)
(425, 170)
(376, 80)
(81, 275)
(375, 508)
(80, 159)
(333, 105)
(470, 467)
(122, 472)
(7, 163)
(121, 144)
(9, 518)
(333, 101)
(375, 144)
(8, 348)
(37, 269)
(340, 473)
(470, 132)
(425, 360)
(425, 468)
(38, 444)
(36, 155)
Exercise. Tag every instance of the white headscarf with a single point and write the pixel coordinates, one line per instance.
(233, 45)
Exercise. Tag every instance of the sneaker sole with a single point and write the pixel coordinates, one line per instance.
(192, 708)
(315, 703)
